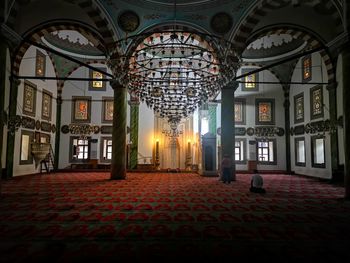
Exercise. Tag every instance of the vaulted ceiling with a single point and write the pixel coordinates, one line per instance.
(310, 23)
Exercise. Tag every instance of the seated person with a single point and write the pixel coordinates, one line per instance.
(256, 183)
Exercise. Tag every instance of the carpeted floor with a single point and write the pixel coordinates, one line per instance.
(75, 217)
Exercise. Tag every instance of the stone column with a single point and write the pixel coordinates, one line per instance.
(228, 124)
(286, 106)
(212, 117)
(11, 134)
(346, 98)
(346, 117)
(134, 131)
(58, 128)
(3, 52)
(332, 91)
(118, 165)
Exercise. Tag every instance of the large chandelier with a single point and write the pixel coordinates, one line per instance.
(174, 71)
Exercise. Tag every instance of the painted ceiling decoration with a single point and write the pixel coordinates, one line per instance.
(221, 23)
(260, 53)
(72, 42)
(270, 41)
(186, 5)
(233, 21)
(128, 21)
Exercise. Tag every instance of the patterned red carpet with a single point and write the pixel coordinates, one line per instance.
(67, 217)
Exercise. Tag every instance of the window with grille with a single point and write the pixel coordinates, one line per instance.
(266, 151)
(106, 149)
(80, 151)
(300, 151)
(240, 151)
(318, 151)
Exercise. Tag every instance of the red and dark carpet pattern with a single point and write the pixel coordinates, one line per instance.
(65, 216)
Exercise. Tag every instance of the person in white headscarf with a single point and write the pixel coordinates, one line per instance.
(256, 183)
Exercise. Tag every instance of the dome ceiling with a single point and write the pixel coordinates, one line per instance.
(214, 16)
(273, 45)
(72, 42)
(179, 3)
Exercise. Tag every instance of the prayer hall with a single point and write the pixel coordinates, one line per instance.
(131, 130)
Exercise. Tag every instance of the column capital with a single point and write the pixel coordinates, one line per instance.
(14, 81)
(212, 104)
(286, 87)
(115, 84)
(332, 86)
(134, 102)
(59, 100)
(232, 85)
(286, 103)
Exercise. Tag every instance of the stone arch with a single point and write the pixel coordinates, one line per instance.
(100, 19)
(36, 33)
(97, 61)
(180, 25)
(311, 38)
(90, 8)
(264, 7)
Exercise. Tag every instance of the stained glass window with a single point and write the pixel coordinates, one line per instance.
(316, 97)
(299, 108)
(81, 109)
(97, 85)
(40, 64)
(29, 98)
(250, 81)
(107, 110)
(240, 111)
(265, 111)
(46, 105)
(306, 68)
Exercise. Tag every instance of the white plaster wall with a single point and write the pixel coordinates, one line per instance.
(146, 138)
(81, 88)
(340, 103)
(319, 74)
(273, 91)
(266, 91)
(6, 105)
(27, 68)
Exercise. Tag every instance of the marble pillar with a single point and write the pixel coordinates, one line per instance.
(11, 134)
(346, 117)
(3, 52)
(212, 117)
(134, 132)
(58, 130)
(286, 106)
(332, 91)
(228, 124)
(118, 165)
